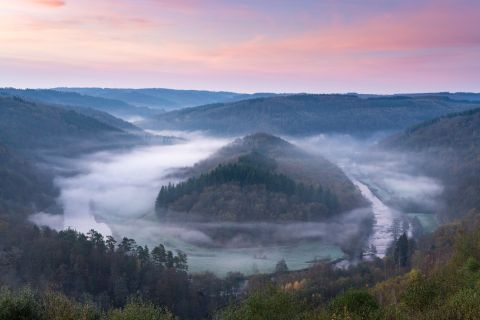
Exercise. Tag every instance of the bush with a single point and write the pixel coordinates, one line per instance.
(137, 310)
(21, 305)
(420, 294)
(269, 304)
(465, 304)
(355, 303)
(59, 307)
(472, 264)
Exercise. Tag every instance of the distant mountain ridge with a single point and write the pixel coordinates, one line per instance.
(162, 98)
(461, 96)
(117, 108)
(308, 114)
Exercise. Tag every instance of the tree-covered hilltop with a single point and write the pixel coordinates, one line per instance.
(259, 178)
(308, 114)
(291, 161)
(448, 149)
(250, 173)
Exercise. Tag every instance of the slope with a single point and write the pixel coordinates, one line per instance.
(29, 126)
(259, 178)
(23, 188)
(450, 150)
(308, 114)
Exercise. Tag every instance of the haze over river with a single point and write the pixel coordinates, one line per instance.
(114, 193)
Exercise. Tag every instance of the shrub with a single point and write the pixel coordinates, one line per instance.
(137, 310)
(59, 307)
(472, 264)
(465, 304)
(419, 294)
(266, 304)
(356, 303)
(21, 305)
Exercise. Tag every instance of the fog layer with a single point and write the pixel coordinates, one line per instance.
(390, 181)
(114, 193)
(117, 186)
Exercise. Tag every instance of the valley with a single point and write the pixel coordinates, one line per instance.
(226, 210)
(93, 199)
(96, 198)
(239, 160)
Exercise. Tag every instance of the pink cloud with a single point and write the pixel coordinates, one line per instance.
(392, 37)
(50, 3)
(220, 40)
(180, 5)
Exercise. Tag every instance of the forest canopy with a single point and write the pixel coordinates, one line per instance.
(253, 170)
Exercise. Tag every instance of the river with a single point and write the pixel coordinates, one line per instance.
(384, 217)
(114, 193)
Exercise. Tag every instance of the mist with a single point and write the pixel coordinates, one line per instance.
(392, 176)
(110, 187)
(392, 182)
(114, 193)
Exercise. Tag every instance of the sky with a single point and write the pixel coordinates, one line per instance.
(374, 46)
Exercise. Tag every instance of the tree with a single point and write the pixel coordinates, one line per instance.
(143, 254)
(180, 261)
(401, 251)
(159, 254)
(170, 260)
(126, 245)
(110, 242)
(281, 266)
(96, 238)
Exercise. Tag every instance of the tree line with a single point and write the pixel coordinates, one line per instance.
(106, 272)
(245, 172)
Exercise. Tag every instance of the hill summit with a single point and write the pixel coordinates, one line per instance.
(260, 177)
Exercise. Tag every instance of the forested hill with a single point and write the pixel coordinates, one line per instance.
(292, 161)
(23, 188)
(259, 178)
(464, 96)
(103, 117)
(27, 125)
(450, 147)
(307, 114)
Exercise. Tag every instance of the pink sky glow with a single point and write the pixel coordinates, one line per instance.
(271, 45)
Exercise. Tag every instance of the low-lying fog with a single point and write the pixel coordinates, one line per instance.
(114, 193)
(111, 187)
(396, 189)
